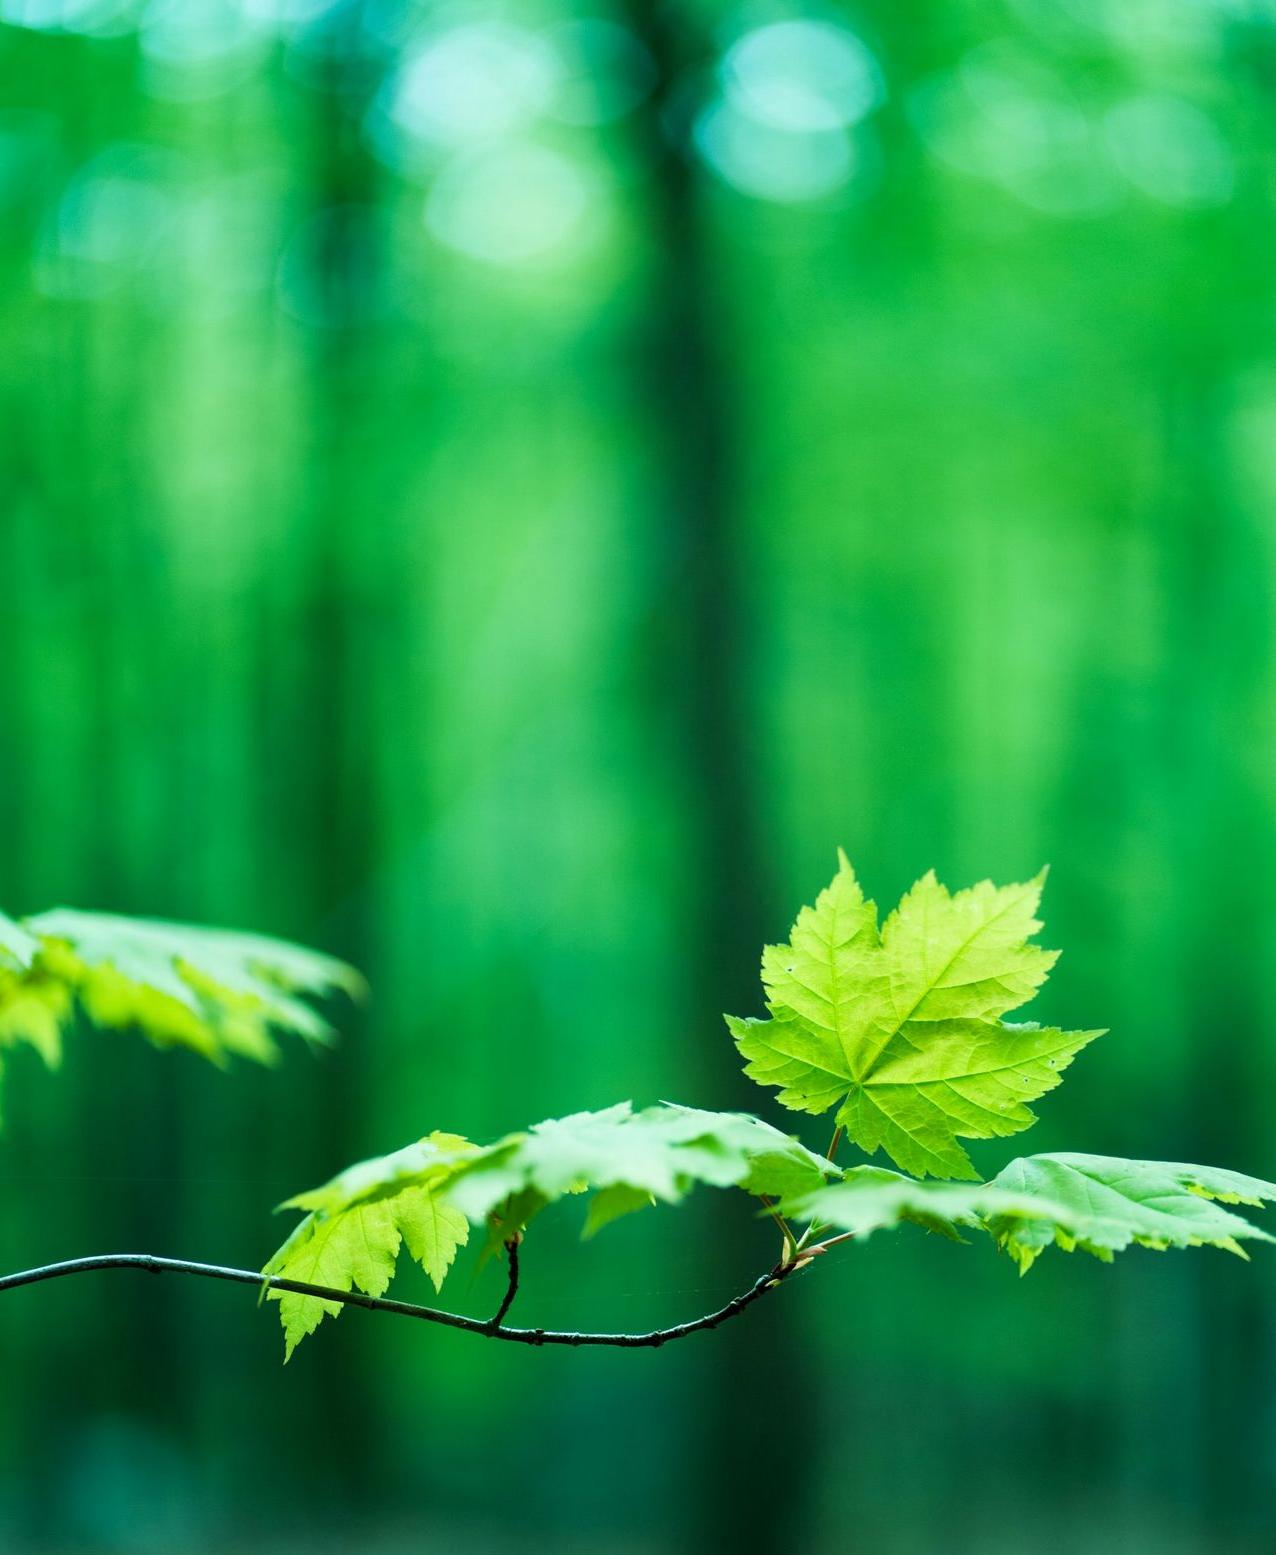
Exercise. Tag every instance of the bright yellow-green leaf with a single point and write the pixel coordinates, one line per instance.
(660, 1153)
(432, 1229)
(1110, 1203)
(871, 1198)
(33, 1010)
(1100, 1204)
(217, 992)
(357, 1224)
(425, 1164)
(357, 1248)
(17, 947)
(903, 1031)
(429, 1190)
(657, 1154)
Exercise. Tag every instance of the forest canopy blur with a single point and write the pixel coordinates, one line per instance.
(490, 490)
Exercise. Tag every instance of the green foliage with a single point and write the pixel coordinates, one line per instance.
(33, 1005)
(624, 1160)
(17, 948)
(873, 1198)
(217, 992)
(630, 1159)
(357, 1225)
(1101, 1204)
(900, 1029)
(903, 1028)
(1111, 1203)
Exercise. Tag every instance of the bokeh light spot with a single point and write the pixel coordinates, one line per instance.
(1004, 117)
(469, 82)
(113, 219)
(801, 76)
(87, 16)
(1171, 150)
(510, 203)
(769, 163)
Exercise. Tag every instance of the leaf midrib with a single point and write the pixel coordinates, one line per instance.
(1072, 1041)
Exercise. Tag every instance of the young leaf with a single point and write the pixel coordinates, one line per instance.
(17, 947)
(871, 1198)
(660, 1153)
(215, 991)
(1110, 1203)
(357, 1223)
(1100, 1204)
(34, 1008)
(612, 1203)
(904, 1029)
(657, 1154)
(426, 1164)
(357, 1248)
(360, 1246)
(427, 1191)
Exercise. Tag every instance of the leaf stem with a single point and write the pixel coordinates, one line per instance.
(786, 1231)
(487, 1329)
(822, 1247)
(511, 1290)
(814, 1227)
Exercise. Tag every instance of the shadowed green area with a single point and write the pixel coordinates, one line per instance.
(496, 493)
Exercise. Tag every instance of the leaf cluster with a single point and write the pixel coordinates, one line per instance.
(427, 1195)
(901, 1030)
(217, 992)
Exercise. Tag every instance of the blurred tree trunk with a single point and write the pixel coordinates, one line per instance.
(686, 379)
(326, 725)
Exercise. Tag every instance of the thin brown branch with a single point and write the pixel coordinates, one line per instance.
(487, 1329)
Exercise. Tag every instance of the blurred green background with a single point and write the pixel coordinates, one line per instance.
(500, 492)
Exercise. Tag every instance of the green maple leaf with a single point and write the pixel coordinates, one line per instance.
(902, 1029)
(1100, 1204)
(631, 1160)
(1111, 1203)
(17, 947)
(357, 1224)
(33, 1008)
(871, 1198)
(624, 1160)
(637, 1159)
(359, 1248)
(425, 1164)
(216, 991)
